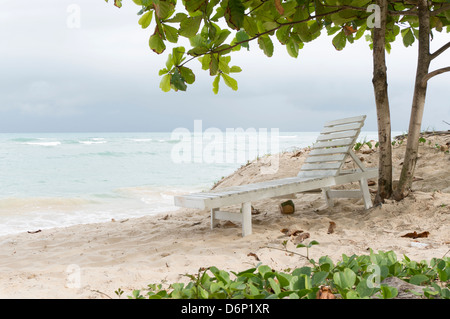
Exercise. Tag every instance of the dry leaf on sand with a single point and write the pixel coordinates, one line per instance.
(253, 255)
(300, 238)
(331, 228)
(415, 235)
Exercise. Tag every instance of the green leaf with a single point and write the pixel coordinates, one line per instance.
(388, 292)
(234, 14)
(292, 48)
(269, 25)
(171, 33)
(345, 279)
(242, 36)
(235, 69)
(177, 54)
(300, 282)
(193, 5)
(205, 61)
(216, 84)
(213, 65)
(146, 19)
(408, 37)
(187, 74)
(157, 44)
(250, 26)
(232, 83)
(189, 27)
(443, 275)
(339, 41)
(163, 9)
(325, 263)
(360, 31)
(198, 51)
(318, 278)
(163, 71)
(352, 294)
(265, 44)
(363, 290)
(273, 284)
(177, 18)
(220, 12)
(223, 49)
(203, 293)
(165, 83)
(447, 14)
(169, 62)
(223, 64)
(221, 37)
(263, 269)
(418, 279)
(283, 279)
(283, 34)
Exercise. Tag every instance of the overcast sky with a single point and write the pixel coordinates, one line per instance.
(102, 77)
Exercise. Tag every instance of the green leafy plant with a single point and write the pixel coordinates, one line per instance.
(352, 277)
(308, 246)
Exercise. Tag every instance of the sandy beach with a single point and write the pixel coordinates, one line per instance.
(94, 260)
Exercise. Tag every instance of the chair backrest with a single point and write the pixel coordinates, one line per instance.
(332, 147)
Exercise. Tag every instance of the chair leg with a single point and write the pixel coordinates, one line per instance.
(246, 219)
(214, 221)
(326, 196)
(365, 193)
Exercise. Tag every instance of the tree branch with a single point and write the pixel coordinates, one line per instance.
(440, 50)
(434, 73)
(346, 7)
(410, 12)
(443, 8)
(263, 33)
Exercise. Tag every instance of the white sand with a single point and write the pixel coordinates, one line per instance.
(92, 261)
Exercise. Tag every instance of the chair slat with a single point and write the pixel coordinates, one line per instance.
(321, 173)
(340, 128)
(325, 158)
(333, 136)
(346, 120)
(331, 150)
(309, 167)
(340, 142)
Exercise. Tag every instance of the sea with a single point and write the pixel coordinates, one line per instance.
(52, 180)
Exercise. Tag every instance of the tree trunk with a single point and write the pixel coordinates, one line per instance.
(418, 104)
(382, 104)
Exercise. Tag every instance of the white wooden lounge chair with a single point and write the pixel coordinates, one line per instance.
(322, 170)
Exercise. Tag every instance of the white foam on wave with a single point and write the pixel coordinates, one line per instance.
(96, 140)
(141, 139)
(43, 143)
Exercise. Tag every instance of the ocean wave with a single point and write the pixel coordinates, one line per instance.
(91, 142)
(56, 143)
(23, 139)
(141, 139)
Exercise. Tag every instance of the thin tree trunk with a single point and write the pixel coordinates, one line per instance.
(382, 104)
(418, 104)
